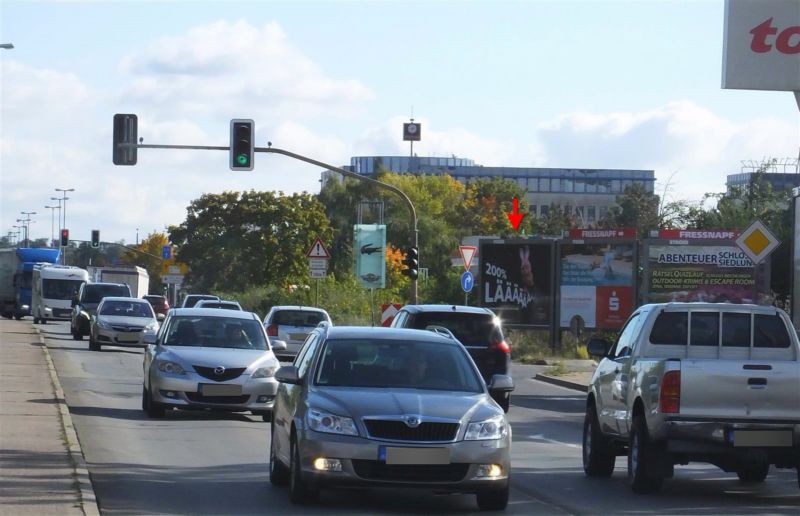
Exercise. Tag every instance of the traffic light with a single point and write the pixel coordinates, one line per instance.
(64, 237)
(126, 133)
(95, 238)
(411, 261)
(242, 144)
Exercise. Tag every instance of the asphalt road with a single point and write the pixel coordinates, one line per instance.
(213, 463)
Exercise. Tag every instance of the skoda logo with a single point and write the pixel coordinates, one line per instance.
(219, 370)
(412, 421)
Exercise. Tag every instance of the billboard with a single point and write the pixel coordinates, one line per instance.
(796, 261)
(369, 250)
(761, 45)
(516, 280)
(597, 283)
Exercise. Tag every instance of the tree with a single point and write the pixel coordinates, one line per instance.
(148, 255)
(636, 208)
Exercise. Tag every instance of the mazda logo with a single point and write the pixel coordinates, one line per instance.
(219, 370)
(412, 421)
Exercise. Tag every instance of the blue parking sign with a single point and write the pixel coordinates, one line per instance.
(166, 252)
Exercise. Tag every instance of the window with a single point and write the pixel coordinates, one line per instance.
(590, 213)
(555, 185)
(566, 185)
(306, 355)
(544, 185)
(624, 344)
(670, 328)
(545, 210)
(580, 186)
(770, 332)
(616, 186)
(736, 330)
(591, 186)
(533, 209)
(705, 329)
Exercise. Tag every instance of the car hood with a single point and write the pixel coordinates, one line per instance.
(360, 402)
(213, 357)
(124, 320)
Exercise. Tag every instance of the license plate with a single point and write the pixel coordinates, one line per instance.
(396, 455)
(207, 389)
(762, 438)
(128, 337)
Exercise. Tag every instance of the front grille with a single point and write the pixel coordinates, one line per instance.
(127, 329)
(224, 400)
(399, 431)
(374, 470)
(229, 374)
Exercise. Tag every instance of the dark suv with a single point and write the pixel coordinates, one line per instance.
(478, 329)
(85, 302)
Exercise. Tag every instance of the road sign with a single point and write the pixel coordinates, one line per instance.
(757, 242)
(166, 252)
(318, 263)
(388, 311)
(467, 281)
(175, 279)
(318, 250)
(318, 273)
(467, 254)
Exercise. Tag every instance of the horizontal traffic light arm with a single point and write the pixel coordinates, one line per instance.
(119, 245)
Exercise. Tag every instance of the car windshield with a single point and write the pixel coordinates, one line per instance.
(192, 300)
(397, 364)
(126, 309)
(60, 288)
(96, 293)
(304, 318)
(218, 304)
(470, 329)
(215, 332)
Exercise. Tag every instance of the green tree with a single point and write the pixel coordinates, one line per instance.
(148, 256)
(636, 208)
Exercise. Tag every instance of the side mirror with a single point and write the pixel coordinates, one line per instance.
(149, 338)
(74, 301)
(598, 347)
(288, 374)
(500, 387)
(278, 345)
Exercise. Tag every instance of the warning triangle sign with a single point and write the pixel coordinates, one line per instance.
(318, 250)
(467, 254)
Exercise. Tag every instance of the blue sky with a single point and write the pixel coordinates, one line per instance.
(574, 84)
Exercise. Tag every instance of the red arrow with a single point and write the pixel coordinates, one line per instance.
(515, 217)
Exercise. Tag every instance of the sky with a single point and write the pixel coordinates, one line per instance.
(593, 84)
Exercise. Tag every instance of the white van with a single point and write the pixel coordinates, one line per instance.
(52, 291)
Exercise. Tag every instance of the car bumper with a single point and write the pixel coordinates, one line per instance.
(694, 438)
(57, 314)
(119, 338)
(360, 464)
(184, 391)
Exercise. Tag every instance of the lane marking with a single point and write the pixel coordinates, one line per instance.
(541, 437)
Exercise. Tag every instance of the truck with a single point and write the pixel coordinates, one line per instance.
(53, 287)
(16, 275)
(695, 382)
(137, 278)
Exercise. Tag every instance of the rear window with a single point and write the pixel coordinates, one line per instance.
(705, 329)
(736, 330)
(303, 318)
(470, 329)
(670, 328)
(770, 332)
(96, 293)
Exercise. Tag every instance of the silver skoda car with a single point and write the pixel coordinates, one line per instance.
(389, 407)
(210, 358)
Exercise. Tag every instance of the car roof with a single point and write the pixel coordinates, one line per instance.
(122, 298)
(712, 307)
(205, 302)
(213, 312)
(299, 307)
(447, 308)
(104, 284)
(380, 332)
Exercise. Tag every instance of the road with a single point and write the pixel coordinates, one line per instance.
(209, 463)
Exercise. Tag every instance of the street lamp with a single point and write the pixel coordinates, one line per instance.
(27, 221)
(52, 221)
(64, 214)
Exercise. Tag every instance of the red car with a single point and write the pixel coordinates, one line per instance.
(160, 305)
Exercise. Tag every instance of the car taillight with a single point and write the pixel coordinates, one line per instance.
(502, 346)
(669, 399)
(272, 330)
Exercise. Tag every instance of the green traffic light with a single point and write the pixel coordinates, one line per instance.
(242, 159)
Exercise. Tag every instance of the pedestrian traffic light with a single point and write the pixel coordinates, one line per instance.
(411, 261)
(125, 139)
(95, 238)
(242, 144)
(64, 237)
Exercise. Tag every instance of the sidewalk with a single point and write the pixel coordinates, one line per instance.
(578, 376)
(42, 470)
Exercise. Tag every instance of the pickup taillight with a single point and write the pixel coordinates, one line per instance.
(272, 330)
(669, 400)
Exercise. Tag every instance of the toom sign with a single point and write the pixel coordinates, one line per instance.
(761, 47)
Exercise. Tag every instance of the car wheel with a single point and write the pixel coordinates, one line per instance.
(18, 317)
(493, 499)
(753, 473)
(278, 472)
(43, 320)
(642, 459)
(598, 459)
(35, 320)
(154, 409)
(266, 415)
(93, 344)
(77, 335)
(299, 492)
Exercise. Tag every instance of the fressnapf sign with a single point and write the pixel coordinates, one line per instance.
(761, 46)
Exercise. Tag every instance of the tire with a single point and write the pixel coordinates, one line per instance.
(493, 499)
(153, 409)
(43, 320)
(598, 458)
(278, 472)
(18, 317)
(753, 473)
(76, 334)
(35, 320)
(642, 459)
(299, 491)
(93, 344)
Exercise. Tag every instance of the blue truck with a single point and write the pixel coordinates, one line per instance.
(16, 275)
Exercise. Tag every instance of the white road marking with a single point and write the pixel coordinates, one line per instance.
(540, 437)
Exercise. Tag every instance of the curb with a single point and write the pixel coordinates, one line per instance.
(561, 383)
(85, 488)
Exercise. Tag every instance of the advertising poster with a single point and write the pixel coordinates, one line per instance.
(516, 281)
(369, 250)
(597, 283)
(715, 272)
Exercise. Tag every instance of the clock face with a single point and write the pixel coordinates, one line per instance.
(412, 128)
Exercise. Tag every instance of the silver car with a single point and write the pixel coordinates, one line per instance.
(292, 324)
(210, 358)
(389, 407)
(122, 321)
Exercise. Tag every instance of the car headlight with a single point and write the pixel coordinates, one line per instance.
(265, 372)
(103, 324)
(320, 421)
(151, 328)
(167, 366)
(494, 428)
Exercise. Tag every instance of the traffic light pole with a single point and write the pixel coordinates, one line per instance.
(347, 173)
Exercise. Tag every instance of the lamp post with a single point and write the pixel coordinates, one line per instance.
(52, 222)
(16, 234)
(64, 215)
(27, 222)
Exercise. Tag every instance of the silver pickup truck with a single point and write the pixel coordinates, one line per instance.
(695, 382)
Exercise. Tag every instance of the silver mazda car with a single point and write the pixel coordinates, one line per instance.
(389, 407)
(210, 358)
